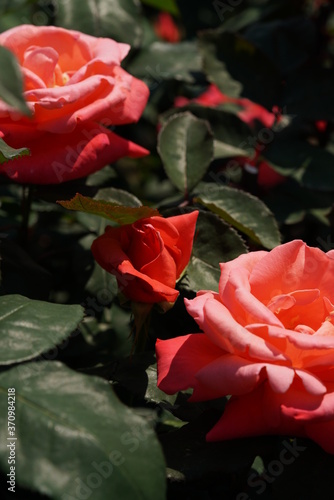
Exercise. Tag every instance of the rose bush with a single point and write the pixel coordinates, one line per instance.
(148, 256)
(268, 341)
(74, 87)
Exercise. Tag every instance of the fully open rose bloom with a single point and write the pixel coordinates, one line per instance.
(148, 256)
(268, 341)
(73, 83)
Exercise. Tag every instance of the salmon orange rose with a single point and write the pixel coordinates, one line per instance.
(148, 256)
(268, 341)
(75, 87)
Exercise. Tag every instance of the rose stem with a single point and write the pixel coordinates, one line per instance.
(27, 197)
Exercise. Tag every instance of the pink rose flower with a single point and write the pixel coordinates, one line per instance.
(268, 341)
(75, 88)
(148, 256)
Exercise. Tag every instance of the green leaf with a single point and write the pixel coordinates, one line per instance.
(233, 137)
(245, 212)
(117, 19)
(258, 465)
(75, 439)
(224, 150)
(215, 242)
(109, 210)
(167, 61)
(32, 327)
(8, 153)
(117, 196)
(236, 20)
(238, 67)
(165, 5)
(185, 145)
(11, 82)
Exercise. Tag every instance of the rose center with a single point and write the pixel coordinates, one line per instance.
(42, 69)
(300, 310)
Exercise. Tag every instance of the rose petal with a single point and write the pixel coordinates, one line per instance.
(280, 377)
(185, 225)
(253, 111)
(223, 330)
(298, 298)
(144, 243)
(325, 330)
(320, 361)
(280, 342)
(42, 62)
(231, 374)
(237, 271)
(301, 404)
(141, 288)
(228, 374)
(302, 340)
(58, 109)
(305, 297)
(254, 311)
(162, 268)
(31, 81)
(137, 286)
(181, 358)
(292, 267)
(195, 307)
(68, 156)
(105, 49)
(254, 414)
(72, 46)
(311, 383)
(281, 302)
(306, 409)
